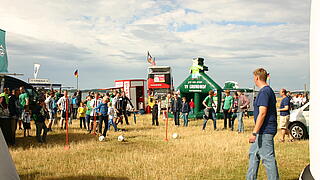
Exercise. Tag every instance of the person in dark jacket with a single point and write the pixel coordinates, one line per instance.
(176, 105)
(155, 110)
(14, 111)
(185, 109)
(124, 100)
(39, 115)
(5, 123)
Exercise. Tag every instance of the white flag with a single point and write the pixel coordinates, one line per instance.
(36, 70)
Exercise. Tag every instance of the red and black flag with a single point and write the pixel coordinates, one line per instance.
(76, 73)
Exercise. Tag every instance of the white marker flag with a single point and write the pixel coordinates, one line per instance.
(36, 70)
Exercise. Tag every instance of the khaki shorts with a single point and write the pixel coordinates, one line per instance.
(284, 122)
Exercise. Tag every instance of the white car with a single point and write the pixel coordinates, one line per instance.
(299, 122)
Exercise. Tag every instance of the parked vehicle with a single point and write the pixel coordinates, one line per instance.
(299, 122)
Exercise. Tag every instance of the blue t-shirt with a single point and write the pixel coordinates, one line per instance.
(285, 102)
(102, 108)
(267, 98)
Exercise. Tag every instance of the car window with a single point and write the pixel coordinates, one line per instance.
(307, 108)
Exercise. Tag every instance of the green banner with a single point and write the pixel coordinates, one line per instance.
(3, 52)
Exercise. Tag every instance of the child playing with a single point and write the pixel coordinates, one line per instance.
(26, 117)
(111, 114)
(82, 115)
(102, 109)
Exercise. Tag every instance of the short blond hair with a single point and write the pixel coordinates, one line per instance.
(261, 73)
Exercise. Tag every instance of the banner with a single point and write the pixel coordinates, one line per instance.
(3, 52)
(36, 70)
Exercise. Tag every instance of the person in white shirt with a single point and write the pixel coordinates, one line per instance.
(64, 104)
(50, 107)
(94, 117)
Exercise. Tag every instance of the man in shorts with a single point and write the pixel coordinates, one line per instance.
(284, 115)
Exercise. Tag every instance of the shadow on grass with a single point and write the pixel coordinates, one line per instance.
(87, 178)
(84, 177)
(53, 139)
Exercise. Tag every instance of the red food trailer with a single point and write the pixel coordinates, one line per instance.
(136, 91)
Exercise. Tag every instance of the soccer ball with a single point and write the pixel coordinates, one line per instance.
(102, 138)
(175, 135)
(120, 138)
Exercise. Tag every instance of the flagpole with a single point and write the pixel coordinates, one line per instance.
(78, 82)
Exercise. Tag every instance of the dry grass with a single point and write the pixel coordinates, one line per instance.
(145, 155)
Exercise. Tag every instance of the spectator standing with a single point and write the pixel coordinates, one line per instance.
(176, 105)
(39, 115)
(185, 109)
(26, 118)
(88, 112)
(227, 108)
(82, 115)
(94, 116)
(284, 115)
(191, 105)
(74, 102)
(50, 104)
(24, 100)
(124, 101)
(155, 110)
(209, 111)
(15, 112)
(64, 104)
(262, 138)
(5, 123)
(243, 104)
(234, 109)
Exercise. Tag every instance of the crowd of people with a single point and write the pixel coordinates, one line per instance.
(109, 109)
(17, 110)
(232, 106)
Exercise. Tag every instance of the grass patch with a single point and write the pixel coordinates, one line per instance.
(195, 154)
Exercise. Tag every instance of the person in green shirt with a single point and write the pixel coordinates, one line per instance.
(23, 97)
(88, 112)
(209, 111)
(227, 108)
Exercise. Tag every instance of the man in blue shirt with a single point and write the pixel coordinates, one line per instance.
(262, 138)
(284, 115)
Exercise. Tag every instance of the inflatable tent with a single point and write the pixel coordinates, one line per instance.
(197, 85)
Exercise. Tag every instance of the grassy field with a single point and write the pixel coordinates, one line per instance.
(195, 154)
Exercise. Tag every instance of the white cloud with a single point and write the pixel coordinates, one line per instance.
(101, 37)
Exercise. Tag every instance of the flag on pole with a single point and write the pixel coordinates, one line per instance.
(76, 73)
(3, 52)
(149, 58)
(36, 68)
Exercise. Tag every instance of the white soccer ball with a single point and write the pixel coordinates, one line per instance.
(120, 138)
(102, 138)
(175, 135)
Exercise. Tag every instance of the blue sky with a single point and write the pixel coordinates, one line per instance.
(108, 40)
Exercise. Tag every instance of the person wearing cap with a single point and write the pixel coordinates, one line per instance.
(227, 108)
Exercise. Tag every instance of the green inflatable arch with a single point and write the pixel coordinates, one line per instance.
(197, 88)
